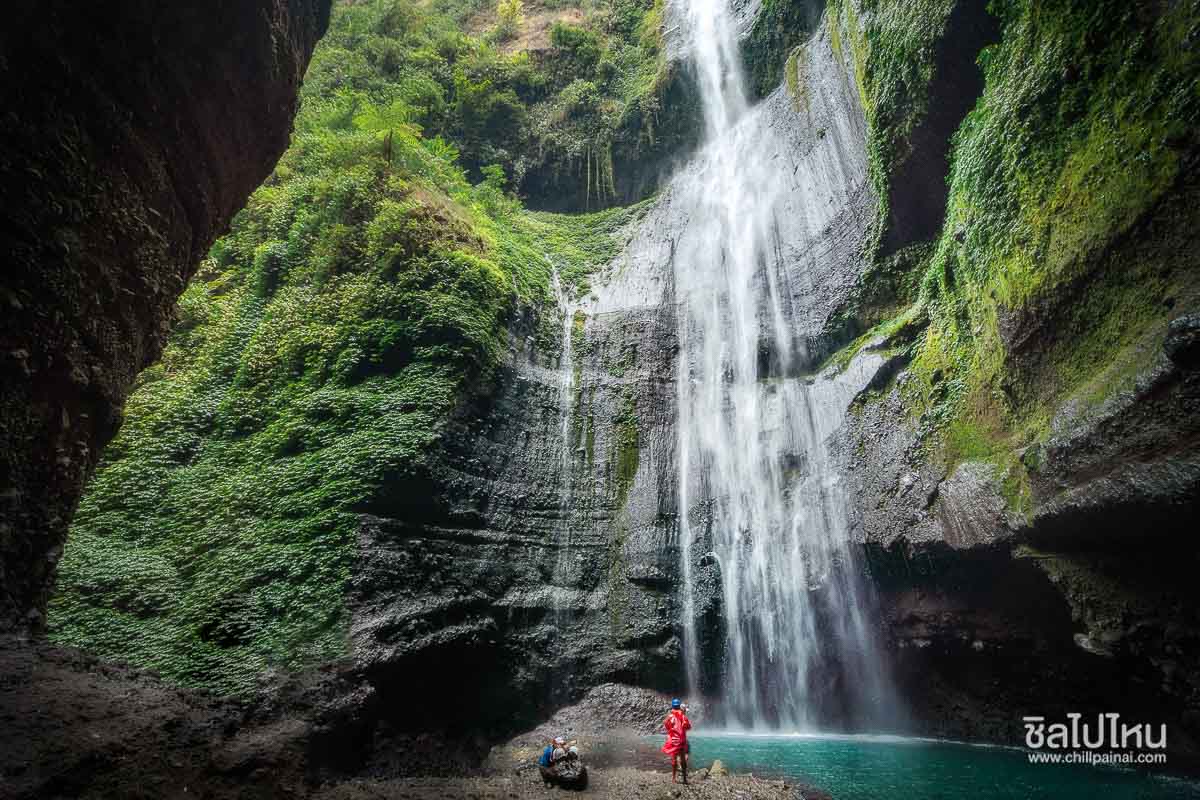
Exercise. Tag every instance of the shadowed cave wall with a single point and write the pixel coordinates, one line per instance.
(132, 133)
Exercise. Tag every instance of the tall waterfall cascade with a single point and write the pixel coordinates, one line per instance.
(754, 435)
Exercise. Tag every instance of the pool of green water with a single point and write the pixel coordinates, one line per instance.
(889, 768)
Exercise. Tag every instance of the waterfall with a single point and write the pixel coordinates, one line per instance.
(753, 436)
(566, 386)
(566, 402)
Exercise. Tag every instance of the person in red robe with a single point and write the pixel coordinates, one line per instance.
(677, 725)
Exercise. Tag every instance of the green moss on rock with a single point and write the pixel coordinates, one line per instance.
(1070, 212)
(1068, 215)
(1078, 138)
(626, 449)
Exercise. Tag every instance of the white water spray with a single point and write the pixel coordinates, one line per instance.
(566, 386)
(566, 401)
(753, 445)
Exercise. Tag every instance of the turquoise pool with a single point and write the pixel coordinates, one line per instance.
(888, 768)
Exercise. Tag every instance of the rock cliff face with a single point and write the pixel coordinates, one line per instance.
(549, 563)
(1046, 571)
(135, 131)
(1085, 601)
(538, 556)
(1000, 595)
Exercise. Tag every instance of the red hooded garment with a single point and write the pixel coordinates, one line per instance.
(677, 725)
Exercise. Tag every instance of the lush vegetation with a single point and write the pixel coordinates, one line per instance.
(359, 300)
(362, 298)
(1080, 139)
(550, 116)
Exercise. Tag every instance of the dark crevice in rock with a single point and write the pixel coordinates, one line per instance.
(918, 187)
(982, 636)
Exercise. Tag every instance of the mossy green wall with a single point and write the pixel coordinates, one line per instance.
(364, 296)
(360, 300)
(1066, 216)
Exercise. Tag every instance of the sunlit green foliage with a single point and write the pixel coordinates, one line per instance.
(358, 301)
(510, 16)
(524, 111)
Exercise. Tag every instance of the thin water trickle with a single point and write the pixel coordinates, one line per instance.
(566, 397)
(566, 385)
(754, 441)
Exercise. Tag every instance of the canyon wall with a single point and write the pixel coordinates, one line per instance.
(1027, 468)
(134, 132)
(1022, 455)
(1000, 256)
(548, 559)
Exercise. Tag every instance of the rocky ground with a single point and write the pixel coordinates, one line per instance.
(72, 726)
(623, 783)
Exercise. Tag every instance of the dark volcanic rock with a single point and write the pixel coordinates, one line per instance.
(1183, 341)
(981, 637)
(606, 709)
(74, 726)
(132, 133)
(545, 566)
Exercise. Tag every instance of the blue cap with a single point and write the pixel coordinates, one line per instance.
(675, 703)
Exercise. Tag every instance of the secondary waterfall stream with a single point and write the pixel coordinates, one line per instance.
(753, 436)
(566, 398)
